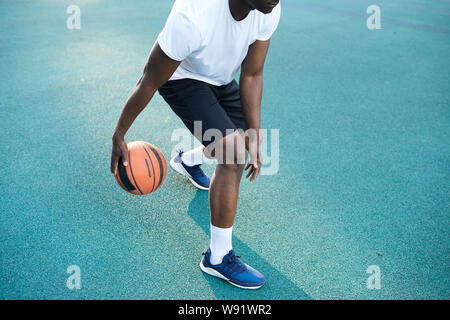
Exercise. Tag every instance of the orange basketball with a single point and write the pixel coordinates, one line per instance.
(146, 169)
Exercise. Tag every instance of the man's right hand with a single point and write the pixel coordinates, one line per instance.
(119, 151)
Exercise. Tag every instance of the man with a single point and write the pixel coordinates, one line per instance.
(193, 65)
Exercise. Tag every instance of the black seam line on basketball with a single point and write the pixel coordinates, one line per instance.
(131, 170)
(124, 177)
(153, 169)
(148, 168)
(160, 164)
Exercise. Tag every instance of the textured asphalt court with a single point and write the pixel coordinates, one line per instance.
(364, 158)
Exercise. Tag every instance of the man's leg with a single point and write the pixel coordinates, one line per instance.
(220, 260)
(223, 194)
(230, 154)
(217, 108)
(224, 189)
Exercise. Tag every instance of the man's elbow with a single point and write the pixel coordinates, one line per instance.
(252, 76)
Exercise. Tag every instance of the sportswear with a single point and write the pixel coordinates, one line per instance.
(207, 39)
(215, 111)
(233, 270)
(194, 173)
(221, 243)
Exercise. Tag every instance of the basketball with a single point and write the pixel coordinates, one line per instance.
(146, 169)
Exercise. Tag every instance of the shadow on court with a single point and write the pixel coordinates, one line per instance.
(277, 285)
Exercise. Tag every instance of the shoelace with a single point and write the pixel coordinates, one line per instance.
(237, 264)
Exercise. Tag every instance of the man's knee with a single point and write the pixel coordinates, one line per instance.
(235, 168)
(230, 151)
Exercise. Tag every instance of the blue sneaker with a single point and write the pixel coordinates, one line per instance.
(196, 175)
(233, 271)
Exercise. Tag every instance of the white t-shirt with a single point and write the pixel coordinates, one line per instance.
(207, 39)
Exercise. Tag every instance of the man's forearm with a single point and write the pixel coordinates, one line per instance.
(136, 102)
(251, 95)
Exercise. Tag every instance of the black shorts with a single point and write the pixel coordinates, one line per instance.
(217, 107)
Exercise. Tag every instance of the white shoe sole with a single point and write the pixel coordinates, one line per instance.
(178, 167)
(217, 274)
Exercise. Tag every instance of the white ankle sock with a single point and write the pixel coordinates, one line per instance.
(193, 157)
(220, 243)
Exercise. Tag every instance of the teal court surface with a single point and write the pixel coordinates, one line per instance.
(363, 118)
